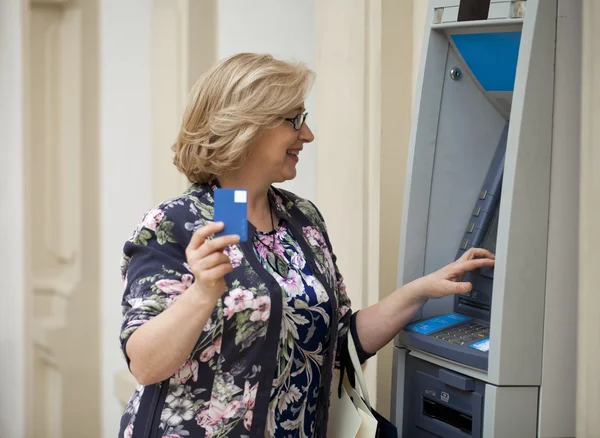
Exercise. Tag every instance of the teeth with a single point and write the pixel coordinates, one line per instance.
(294, 153)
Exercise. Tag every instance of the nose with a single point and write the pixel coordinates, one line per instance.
(306, 135)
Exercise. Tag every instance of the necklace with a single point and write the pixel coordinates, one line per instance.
(276, 262)
(272, 224)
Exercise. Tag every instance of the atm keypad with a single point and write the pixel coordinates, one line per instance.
(464, 334)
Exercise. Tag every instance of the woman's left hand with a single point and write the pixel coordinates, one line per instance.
(397, 309)
(448, 280)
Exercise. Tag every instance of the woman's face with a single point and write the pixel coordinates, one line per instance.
(278, 150)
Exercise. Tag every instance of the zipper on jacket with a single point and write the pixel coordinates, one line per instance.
(153, 408)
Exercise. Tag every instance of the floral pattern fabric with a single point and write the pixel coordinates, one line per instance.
(302, 342)
(231, 379)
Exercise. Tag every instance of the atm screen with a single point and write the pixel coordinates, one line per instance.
(489, 239)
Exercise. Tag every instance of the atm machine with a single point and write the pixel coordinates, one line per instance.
(493, 162)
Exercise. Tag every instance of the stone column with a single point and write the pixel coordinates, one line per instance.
(588, 388)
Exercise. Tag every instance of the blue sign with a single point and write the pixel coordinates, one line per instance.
(492, 57)
(437, 323)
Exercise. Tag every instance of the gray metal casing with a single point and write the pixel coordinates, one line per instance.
(454, 133)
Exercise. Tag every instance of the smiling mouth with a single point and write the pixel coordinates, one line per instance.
(294, 152)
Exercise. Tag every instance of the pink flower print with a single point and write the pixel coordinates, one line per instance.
(343, 310)
(262, 309)
(209, 325)
(235, 255)
(262, 249)
(292, 283)
(128, 432)
(329, 260)
(313, 236)
(204, 418)
(171, 299)
(248, 420)
(175, 286)
(237, 301)
(210, 430)
(232, 409)
(278, 248)
(135, 322)
(210, 351)
(188, 370)
(153, 218)
(216, 412)
(281, 231)
(249, 395)
(298, 261)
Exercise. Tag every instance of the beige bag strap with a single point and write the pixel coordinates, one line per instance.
(358, 373)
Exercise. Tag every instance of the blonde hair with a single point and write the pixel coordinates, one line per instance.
(229, 105)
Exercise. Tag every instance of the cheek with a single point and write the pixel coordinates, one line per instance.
(270, 157)
(278, 153)
(273, 148)
(288, 143)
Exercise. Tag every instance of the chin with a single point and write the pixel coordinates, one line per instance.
(285, 176)
(289, 176)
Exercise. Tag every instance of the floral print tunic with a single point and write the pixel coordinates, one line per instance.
(263, 363)
(302, 343)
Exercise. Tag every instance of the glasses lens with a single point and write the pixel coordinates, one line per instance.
(299, 120)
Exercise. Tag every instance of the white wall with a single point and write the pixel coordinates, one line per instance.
(418, 33)
(126, 164)
(286, 30)
(12, 318)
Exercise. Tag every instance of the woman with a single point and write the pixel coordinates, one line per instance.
(232, 339)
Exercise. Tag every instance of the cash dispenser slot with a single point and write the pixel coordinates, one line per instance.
(441, 403)
(448, 415)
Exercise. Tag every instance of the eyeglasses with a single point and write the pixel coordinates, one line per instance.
(297, 121)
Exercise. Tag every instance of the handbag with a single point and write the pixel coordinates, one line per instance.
(350, 413)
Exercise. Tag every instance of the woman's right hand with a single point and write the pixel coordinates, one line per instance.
(208, 261)
(448, 280)
(159, 347)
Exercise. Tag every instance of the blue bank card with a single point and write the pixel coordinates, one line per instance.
(231, 208)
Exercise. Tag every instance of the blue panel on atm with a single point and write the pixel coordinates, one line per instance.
(483, 345)
(437, 323)
(455, 337)
(492, 57)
